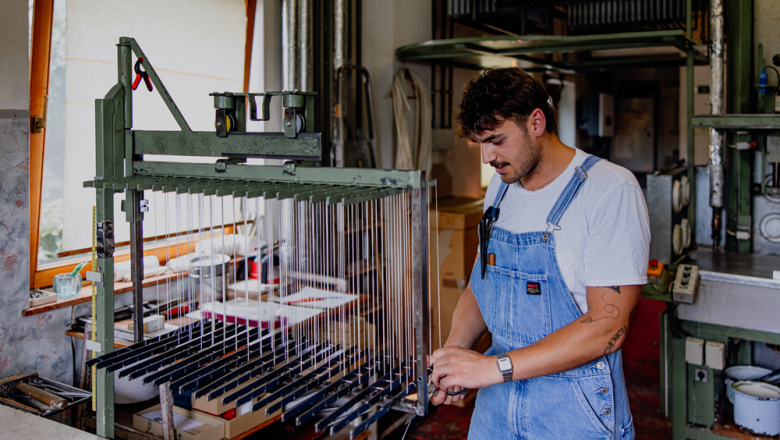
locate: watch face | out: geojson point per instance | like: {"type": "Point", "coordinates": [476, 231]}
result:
{"type": "Point", "coordinates": [504, 364]}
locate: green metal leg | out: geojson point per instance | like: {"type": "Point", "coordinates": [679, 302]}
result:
{"type": "Point", "coordinates": [105, 321]}
{"type": "Point", "coordinates": [679, 397]}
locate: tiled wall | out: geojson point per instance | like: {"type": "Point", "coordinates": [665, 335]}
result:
{"type": "Point", "coordinates": [35, 343]}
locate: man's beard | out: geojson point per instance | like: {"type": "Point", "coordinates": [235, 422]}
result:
{"type": "Point", "coordinates": [526, 166]}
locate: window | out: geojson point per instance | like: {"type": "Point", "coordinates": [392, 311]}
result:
{"type": "Point", "coordinates": [195, 54]}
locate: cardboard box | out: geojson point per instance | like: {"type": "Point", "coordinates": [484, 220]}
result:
{"type": "Point", "coordinates": [456, 236]}
{"type": "Point", "coordinates": [215, 406]}
{"type": "Point", "coordinates": [442, 310]}
{"type": "Point", "coordinates": [151, 323]}
{"type": "Point", "coordinates": [213, 428]}
{"type": "Point", "coordinates": [248, 420]}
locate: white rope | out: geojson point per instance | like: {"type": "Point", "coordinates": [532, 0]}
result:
{"type": "Point", "coordinates": [414, 153]}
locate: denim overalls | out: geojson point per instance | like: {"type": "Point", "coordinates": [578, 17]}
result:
{"type": "Point", "coordinates": [523, 298]}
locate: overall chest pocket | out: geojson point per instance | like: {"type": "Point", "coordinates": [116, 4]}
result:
{"type": "Point", "coordinates": [520, 304]}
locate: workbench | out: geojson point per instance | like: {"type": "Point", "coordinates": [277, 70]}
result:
{"type": "Point", "coordinates": [20, 425]}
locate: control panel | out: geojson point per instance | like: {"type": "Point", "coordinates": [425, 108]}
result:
{"type": "Point", "coordinates": [686, 284]}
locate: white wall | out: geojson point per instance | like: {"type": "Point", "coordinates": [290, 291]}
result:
{"type": "Point", "coordinates": [388, 25]}
{"type": "Point", "coordinates": [196, 47]}
{"type": "Point", "coordinates": [14, 47]}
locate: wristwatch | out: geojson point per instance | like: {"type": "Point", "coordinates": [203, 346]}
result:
{"type": "Point", "coordinates": [505, 367]}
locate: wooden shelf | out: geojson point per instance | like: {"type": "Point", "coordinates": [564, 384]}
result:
{"type": "Point", "coordinates": [86, 293]}
{"type": "Point", "coordinates": [118, 343]}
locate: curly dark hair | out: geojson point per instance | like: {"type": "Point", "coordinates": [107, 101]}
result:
{"type": "Point", "coordinates": [500, 94]}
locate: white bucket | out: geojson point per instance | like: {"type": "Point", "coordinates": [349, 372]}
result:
{"type": "Point", "coordinates": [757, 407]}
{"type": "Point", "coordinates": [742, 372]}
{"type": "Point", "coordinates": [127, 391]}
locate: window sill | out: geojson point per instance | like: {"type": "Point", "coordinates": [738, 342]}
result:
{"type": "Point", "coordinates": [86, 294]}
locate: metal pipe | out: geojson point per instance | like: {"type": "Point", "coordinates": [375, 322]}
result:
{"type": "Point", "coordinates": [715, 164]}
{"type": "Point", "coordinates": [338, 34]}
{"type": "Point", "coordinates": [304, 40]}
{"type": "Point", "coordinates": [289, 44]}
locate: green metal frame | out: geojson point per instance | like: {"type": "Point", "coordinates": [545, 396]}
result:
{"type": "Point", "coordinates": [504, 51]}
{"type": "Point", "coordinates": [120, 167]}
{"type": "Point", "coordinates": [739, 91]}
{"type": "Point", "coordinates": [734, 122]}
{"type": "Point", "coordinates": [691, 400]}
{"type": "Point", "coordinates": [484, 52]}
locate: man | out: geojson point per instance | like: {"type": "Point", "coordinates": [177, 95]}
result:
{"type": "Point", "coordinates": [565, 263]}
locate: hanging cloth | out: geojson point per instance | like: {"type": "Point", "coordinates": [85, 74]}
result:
{"type": "Point", "coordinates": [412, 153]}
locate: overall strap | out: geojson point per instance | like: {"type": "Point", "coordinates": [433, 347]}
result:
{"type": "Point", "coordinates": [571, 190]}
{"type": "Point", "coordinates": [501, 193]}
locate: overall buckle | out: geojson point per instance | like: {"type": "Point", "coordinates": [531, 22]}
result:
{"type": "Point", "coordinates": [581, 173]}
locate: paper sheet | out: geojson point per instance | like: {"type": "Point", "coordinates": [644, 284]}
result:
{"type": "Point", "coordinates": [250, 286]}
{"type": "Point", "coordinates": [330, 300]}
{"type": "Point", "coordinates": [252, 310]}
{"type": "Point", "coordinates": [180, 423]}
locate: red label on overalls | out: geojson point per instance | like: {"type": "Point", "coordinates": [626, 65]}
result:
{"type": "Point", "coordinates": [533, 288]}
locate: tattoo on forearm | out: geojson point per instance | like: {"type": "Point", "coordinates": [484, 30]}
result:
{"type": "Point", "coordinates": [612, 311]}
{"type": "Point", "coordinates": [615, 288]}
{"type": "Point", "coordinates": [615, 338]}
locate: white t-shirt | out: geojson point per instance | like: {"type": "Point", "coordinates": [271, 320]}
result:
{"type": "Point", "coordinates": [604, 238]}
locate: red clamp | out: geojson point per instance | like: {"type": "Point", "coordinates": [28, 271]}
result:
{"type": "Point", "coordinates": [141, 74]}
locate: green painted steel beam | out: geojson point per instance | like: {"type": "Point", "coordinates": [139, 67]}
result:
{"type": "Point", "coordinates": [322, 190]}
{"type": "Point", "coordinates": [712, 332]}
{"type": "Point", "coordinates": [375, 195]}
{"type": "Point", "coordinates": [307, 146]}
{"type": "Point", "coordinates": [147, 65]}
{"type": "Point", "coordinates": [738, 121]}
{"type": "Point", "coordinates": [286, 173]}
{"type": "Point", "coordinates": [739, 91]}
{"type": "Point", "coordinates": [484, 52]}
{"type": "Point", "coordinates": [546, 43]}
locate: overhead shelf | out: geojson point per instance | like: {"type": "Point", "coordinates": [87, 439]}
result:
{"type": "Point", "coordinates": [506, 51]}
{"type": "Point", "coordinates": [738, 121]}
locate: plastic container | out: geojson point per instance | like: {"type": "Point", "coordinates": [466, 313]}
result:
{"type": "Point", "coordinates": [206, 276]}
{"type": "Point", "coordinates": [742, 372]}
{"type": "Point", "coordinates": [67, 286]}
{"type": "Point", "coordinates": [757, 407]}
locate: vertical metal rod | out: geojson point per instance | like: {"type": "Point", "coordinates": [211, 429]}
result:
{"type": "Point", "coordinates": [420, 290]}
{"type": "Point", "coordinates": [105, 316]}
{"type": "Point", "coordinates": [715, 164]}
{"type": "Point", "coordinates": [137, 263]}
{"type": "Point", "coordinates": [126, 79]}
{"type": "Point", "coordinates": [304, 40]}
{"type": "Point", "coordinates": [690, 143]}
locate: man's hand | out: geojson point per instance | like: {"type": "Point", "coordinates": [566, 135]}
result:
{"type": "Point", "coordinates": [455, 368]}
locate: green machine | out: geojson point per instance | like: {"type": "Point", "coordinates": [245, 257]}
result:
{"type": "Point", "coordinates": [122, 166]}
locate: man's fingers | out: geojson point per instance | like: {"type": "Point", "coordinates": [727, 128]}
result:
{"type": "Point", "coordinates": [441, 352]}
{"type": "Point", "coordinates": [438, 373]}
{"type": "Point", "coordinates": [448, 382]}
{"type": "Point", "coordinates": [436, 399]}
